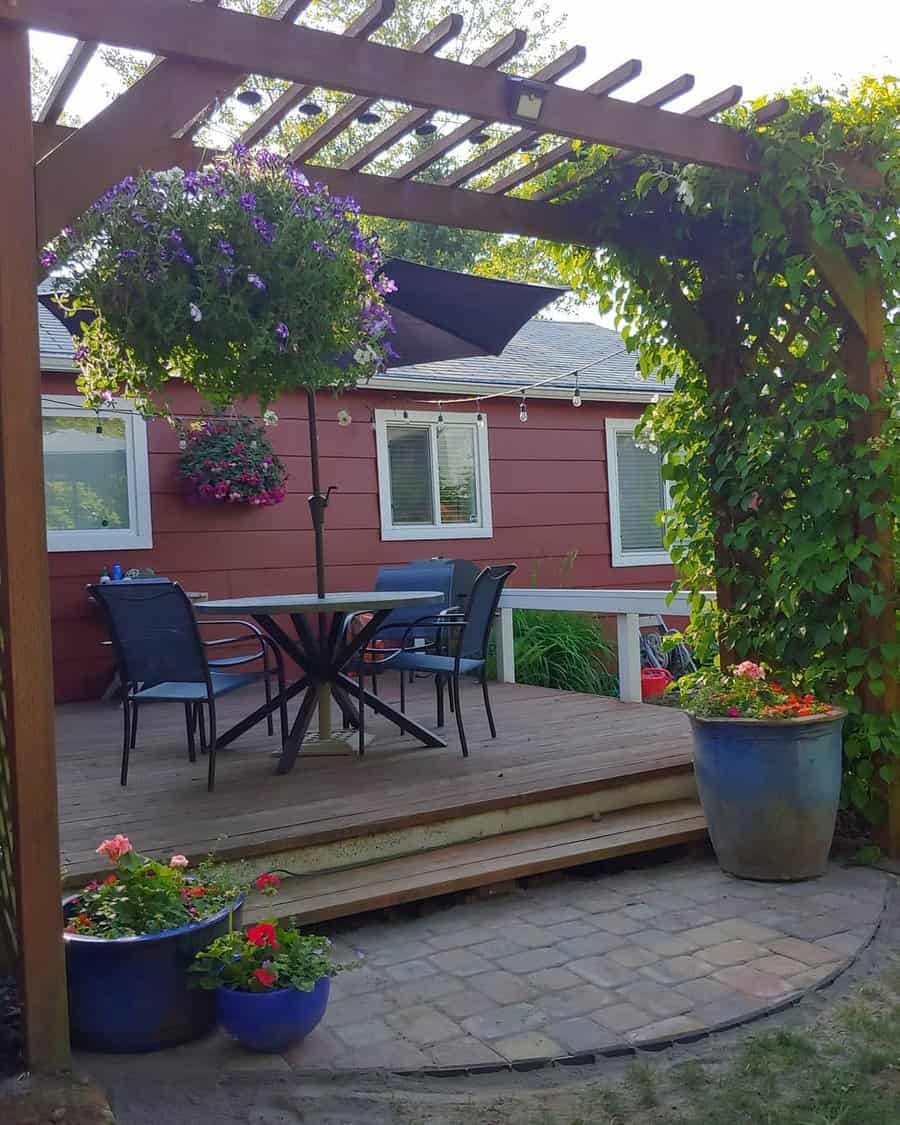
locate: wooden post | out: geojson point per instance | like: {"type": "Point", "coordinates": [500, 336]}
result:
{"type": "Point", "coordinates": [24, 590]}
{"type": "Point", "coordinates": [866, 364]}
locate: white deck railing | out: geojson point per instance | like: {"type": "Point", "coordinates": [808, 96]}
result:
{"type": "Point", "coordinates": [627, 606]}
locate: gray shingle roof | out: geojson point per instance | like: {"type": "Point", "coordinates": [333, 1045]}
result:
{"type": "Point", "coordinates": [541, 350]}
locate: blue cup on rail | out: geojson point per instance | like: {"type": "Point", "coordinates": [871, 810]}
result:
{"type": "Point", "coordinates": [116, 573]}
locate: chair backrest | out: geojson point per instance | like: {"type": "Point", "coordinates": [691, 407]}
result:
{"type": "Point", "coordinates": [410, 576]}
{"type": "Point", "coordinates": [480, 610]}
{"type": "Point", "coordinates": [154, 632]}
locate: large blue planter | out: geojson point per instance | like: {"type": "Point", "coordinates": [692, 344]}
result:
{"type": "Point", "coordinates": [272, 1021]}
{"type": "Point", "coordinates": [770, 792]}
{"type": "Point", "coordinates": [132, 993]}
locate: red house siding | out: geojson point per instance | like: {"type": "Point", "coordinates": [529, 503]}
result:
{"type": "Point", "coordinates": [549, 497]}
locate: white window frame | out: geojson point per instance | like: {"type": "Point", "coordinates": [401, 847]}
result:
{"type": "Point", "coordinates": [139, 535]}
{"type": "Point", "coordinates": [484, 528]}
{"type": "Point", "coordinates": [620, 557]}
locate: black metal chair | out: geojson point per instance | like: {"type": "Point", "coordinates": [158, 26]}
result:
{"type": "Point", "coordinates": [469, 634]}
{"type": "Point", "coordinates": [161, 658]}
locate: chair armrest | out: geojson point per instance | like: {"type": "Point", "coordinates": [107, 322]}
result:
{"type": "Point", "coordinates": [254, 633]}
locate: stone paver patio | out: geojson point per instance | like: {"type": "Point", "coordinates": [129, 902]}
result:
{"type": "Point", "coordinates": [579, 964]}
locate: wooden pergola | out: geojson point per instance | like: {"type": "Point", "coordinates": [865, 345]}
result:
{"type": "Point", "coordinates": [203, 54]}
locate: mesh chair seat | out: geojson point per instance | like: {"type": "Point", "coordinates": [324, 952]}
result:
{"type": "Point", "coordinates": [426, 662]}
{"type": "Point", "coordinates": [222, 684]}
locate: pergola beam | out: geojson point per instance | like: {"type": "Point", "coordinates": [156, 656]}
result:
{"type": "Point", "coordinates": [495, 56]}
{"type": "Point", "coordinates": [557, 155]}
{"type": "Point", "coordinates": [553, 71]}
{"type": "Point", "coordinates": [66, 81]}
{"type": "Point", "coordinates": [249, 44]}
{"type": "Point", "coordinates": [431, 42]}
{"type": "Point", "coordinates": [365, 24]}
{"type": "Point", "coordinates": [408, 200]}
{"type": "Point", "coordinates": [287, 10]}
{"type": "Point", "coordinates": [605, 85]}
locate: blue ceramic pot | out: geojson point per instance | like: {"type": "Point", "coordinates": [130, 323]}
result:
{"type": "Point", "coordinates": [132, 993]}
{"type": "Point", "coordinates": [272, 1021]}
{"type": "Point", "coordinates": [770, 792]}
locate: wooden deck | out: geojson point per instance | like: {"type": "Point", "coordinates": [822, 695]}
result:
{"type": "Point", "coordinates": [553, 748]}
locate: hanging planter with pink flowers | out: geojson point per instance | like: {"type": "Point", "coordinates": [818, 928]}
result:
{"type": "Point", "coordinates": [231, 461]}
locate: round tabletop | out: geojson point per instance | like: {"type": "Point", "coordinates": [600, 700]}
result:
{"type": "Point", "coordinates": [355, 601]}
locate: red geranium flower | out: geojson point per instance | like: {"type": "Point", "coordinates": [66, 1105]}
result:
{"type": "Point", "coordinates": [264, 977]}
{"type": "Point", "coordinates": [195, 892]}
{"type": "Point", "coordinates": [109, 880]}
{"type": "Point", "coordinates": [262, 934]}
{"type": "Point", "coordinates": [267, 880]}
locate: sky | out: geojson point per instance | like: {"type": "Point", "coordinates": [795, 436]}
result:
{"type": "Point", "coordinates": [765, 46]}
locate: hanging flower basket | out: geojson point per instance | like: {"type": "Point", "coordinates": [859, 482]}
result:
{"type": "Point", "coordinates": [241, 279]}
{"type": "Point", "coordinates": [231, 461]}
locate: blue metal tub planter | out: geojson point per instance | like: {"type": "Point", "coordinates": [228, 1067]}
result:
{"type": "Point", "coordinates": [770, 791]}
{"type": "Point", "coordinates": [130, 990]}
{"type": "Point", "coordinates": [271, 984]}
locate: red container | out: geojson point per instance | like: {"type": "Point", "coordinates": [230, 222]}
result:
{"type": "Point", "coordinates": [654, 681]}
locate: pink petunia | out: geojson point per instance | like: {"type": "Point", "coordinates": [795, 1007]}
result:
{"type": "Point", "coordinates": [733, 713]}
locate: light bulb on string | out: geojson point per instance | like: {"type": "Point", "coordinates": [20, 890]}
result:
{"type": "Point", "coordinates": [440, 419]}
{"type": "Point", "coordinates": [523, 409]}
{"type": "Point", "coordinates": [479, 417]}
{"type": "Point", "coordinates": [576, 397]}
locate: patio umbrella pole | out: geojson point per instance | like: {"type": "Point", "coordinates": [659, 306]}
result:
{"type": "Point", "coordinates": [317, 505]}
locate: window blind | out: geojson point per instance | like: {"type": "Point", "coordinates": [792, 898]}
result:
{"type": "Point", "coordinates": [641, 495]}
{"type": "Point", "coordinates": [412, 493]}
{"type": "Point", "coordinates": [456, 472]}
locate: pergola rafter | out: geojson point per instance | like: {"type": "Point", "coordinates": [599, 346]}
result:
{"type": "Point", "coordinates": [204, 52]}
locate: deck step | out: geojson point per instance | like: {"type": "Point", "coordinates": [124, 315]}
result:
{"type": "Point", "coordinates": [497, 859]}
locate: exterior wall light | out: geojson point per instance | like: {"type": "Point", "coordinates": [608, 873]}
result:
{"type": "Point", "coordinates": [525, 98]}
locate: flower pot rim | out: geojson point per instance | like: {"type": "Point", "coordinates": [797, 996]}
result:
{"type": "Point", "coordinates": [793, 721]}
{"type": "Point", "coordinates": [158, 935]}
{"type": "Point", "coordinates": [272, 992]}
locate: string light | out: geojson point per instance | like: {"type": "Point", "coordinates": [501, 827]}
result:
{"type": "Point", "coordinates": [576, 397]}
{"type": "Point", "coordinates": [523, 409]}
{"type": "Point", "coordinates": [479, 417]}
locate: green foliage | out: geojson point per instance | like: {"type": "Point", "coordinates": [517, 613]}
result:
{"type": "Point", "coordinates": [567, 651]}
{"type": "Point", "coordinates": [264, 958]}
{"type": "Point", "coordinates": [143, 896]}
{"type": "Point", "coordinates": [243, 280]}
{"type": "Point", "coordinates": [785, 477]}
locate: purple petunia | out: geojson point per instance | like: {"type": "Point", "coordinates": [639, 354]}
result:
{"type": "Point", "coordinates": [267, 159]}
{"type": "Point", "coordinates": [124, 255]}
{"type": "Point", "coordinates": [248, 201]}
{"type": "Point", "coordinates": [191, 183]}
{"type": "Point", "coordinates": [282, 331]}
{"type": "Point", "coordinates": [48, 259]}
{"type": "Point", "coordinates": [80, 353]}
{"type": "Point", "coordinates": [175, 236]}
{"type": "Point", "coordinates": [225, 248]}
{"type": "Point", "coordinates": [183, 256]}
{"type": "Point", "coordinates": [264, 229]}
{"type": "Point", "coordinates": [320, 248]}
{"type": "Point", "coordinates": [256, 281]}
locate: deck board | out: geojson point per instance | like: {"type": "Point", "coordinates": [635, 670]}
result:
{"type": "Point", "coordinates": [551, 744]}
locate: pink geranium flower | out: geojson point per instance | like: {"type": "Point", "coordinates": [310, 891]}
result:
{"type": "Point", "coordinates": [178, 861]}
{"type": "Point", "coordinates": [750, 670]}
{"type": "Point", "coordinates": [733, 713]}
{"type": "Point", "coordinates": [115, 848]}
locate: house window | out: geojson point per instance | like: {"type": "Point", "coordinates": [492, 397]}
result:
{"type": "Point", "coordinates": [637, 493]}
{"type": "Point", "coordinates": [433, 476]}
{"type": "Point", "coordinates": [96, 485]}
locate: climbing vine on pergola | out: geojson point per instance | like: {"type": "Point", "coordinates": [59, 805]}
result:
{"type": "Point", "coordinates": [774, 302]}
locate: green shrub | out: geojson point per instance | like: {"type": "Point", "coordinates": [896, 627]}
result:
{"type": "Point", "coordinates": [561, 650]}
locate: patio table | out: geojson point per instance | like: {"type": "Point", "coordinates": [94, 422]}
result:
{"type": "Point", "coordinates": [322, 655]}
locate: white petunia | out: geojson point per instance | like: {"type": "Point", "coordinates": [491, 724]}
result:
{"type": "Point", "coordinates": [195, 312]}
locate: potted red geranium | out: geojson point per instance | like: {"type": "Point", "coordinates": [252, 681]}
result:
{"type": "Point", "coordinates": [130, 940]}
{"type": "Point", "coordinates": [768, 765]}
{"type": "Point", "coordinates": [271, 983]}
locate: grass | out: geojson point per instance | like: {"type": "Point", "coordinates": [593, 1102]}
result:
{"type": "Point", "coordinates": [568, 651]}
